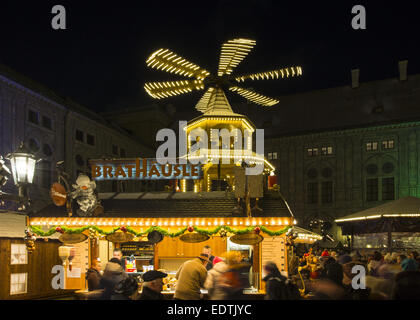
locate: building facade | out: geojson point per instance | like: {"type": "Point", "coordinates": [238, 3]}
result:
{"type": "Point", "coordinates": [57, 129]}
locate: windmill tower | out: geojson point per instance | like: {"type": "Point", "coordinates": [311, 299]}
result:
{"type": "Point", "coordinates": [217, 112]}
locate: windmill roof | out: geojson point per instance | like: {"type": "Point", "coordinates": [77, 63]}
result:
{"type": "Point", "coordinates": [219, 105]}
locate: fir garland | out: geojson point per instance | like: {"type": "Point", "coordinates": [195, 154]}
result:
{"type": "Point", "coordinates": [164, 232]}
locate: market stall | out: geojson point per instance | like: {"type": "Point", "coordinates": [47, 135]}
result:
{"type": "Point", "coordinates": [392, 226]}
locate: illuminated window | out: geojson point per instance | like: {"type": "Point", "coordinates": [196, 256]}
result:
{"type": "Point", "coordinates": [18, 283]}
{"type": "Point", "coordinates": [19, 254]}
{"type": "Point", "coordinates": [388, 144]}
{"type": "Point", "coordinates": [274, 155]}
{"type": "Point", "coordinates": [372, 189]}
{"type": "Point", "coordinates": [312, 152]}
{"type": "Point", "coordinates": [270, 156]}
{"type": "Point", "coordinates": [326, 151]}
{"type": "Point", "coordinates": [371, 146]}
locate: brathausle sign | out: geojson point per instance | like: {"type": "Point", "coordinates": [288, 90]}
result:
{"type": "Point", "coordinates": [142, 169]}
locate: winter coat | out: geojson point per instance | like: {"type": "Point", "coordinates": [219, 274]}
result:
{"type": "Point", "coordinates": [149, 294]}
{"type": "Point", "coordinates": [211, 283]}
{"type": "Point", "coordinates": [191, 276]}
{"type": "Point", "coordinates": [113, 274]}
{"type": "Point", "coordinates": [234, 281]}
{"type": "Point", "coordinates": [277, 288]}
{"type": "Point", "coordinates": [93, 278]}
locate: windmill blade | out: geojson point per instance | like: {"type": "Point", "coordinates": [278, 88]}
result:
{"type": "Point", "coordinates": [233, 52]}
{"type": "Point", "coordinates": [166, 60]}
{"type": "Point", "coordinates": [255, 97]}
{"type": "Point", "coordinates": [274, 74]}
{"type": "Point", "coordinates": [204, 101]}
{"type": "Point", "coordinates": [159, 90]}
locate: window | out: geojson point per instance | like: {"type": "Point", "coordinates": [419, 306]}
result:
{"type": "Point", "coordinates": [33, 117]}
{"type": "Point", "coordinates": [274, 155]}
{"type": "Point", "coordinates": [327, 191]}
{"type": "Point", "coordinates": [312, 152]}
{"type": "Point", "coordinates": [79, 135]}
{"type": "Point", "coordinates": [46, 122]}
{"type": "Point", "coordinates": [371, 146]}
{"type": "Point", "coordinates": [122, 153]}
{"type": "Point", "coordinates": [270, 156]}
{"type": "Point", "coordinates": [388, 189]}
{"type": "Point", "coordinates": [115, 149]}
{"type": "Point", "coordinates": [388, 144]}
{"type": "Point", "coordinates": [90, 140]}
{"type": "Point", "coordinates": [312, 192]}
{"type": "Point", "coordinates": [19, 254]}
{"type": "Point", "coordinates": [372, 189]}
{"type": "Point", "coordinates": [326, 151]}
{"type": "Point", "coordinates": [18, 283]}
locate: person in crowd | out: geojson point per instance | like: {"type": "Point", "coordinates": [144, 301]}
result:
{"type": "Point", "coordinates": [235, 279]}
{"type": "Point", "coordinates": [401, 258]}
{"type": "Point", "coordinates": [278, 287]}
{"type": "Point", "coordinates": [152, 286]}
{"type": "Point", "coordinates": [332, 271]}
{"type": "Point", "coordinates": [409, 264]}
{"type": "Point", "coordinates": [207, 250]}
{"type": "Point", "coordinates": [334, 255]}
{"type": "Point", "coordinates": [117, 254]}
{"type": "Point", "coordinates": [94, 275]}
{"type": "Point", "coordinates": [407, 286]}
{"type": "Point", "coordinates": [375, 262]}
{"type": "Point", "coordinates": [212, 280]}
{"type": "Point", "coordinates": [415, 256]}
{"type": "Point", "coordinates": [191, 276]}
{"type": "Point", "coordinates": [126, 289]}
{"type": "Point", "coordinates": [348, 262]}
{"type": "Point", "coordinates": [113, 274]}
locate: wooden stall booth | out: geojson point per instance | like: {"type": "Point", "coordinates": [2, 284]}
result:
{"type": "Point", "coordinates": [138, 218]}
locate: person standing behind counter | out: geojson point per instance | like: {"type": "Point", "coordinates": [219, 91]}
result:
{"type": "Point", "coordinates": [191, 276]}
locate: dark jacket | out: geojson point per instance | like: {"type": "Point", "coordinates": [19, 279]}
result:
{"type": "Point", "coordinates": [149, 294]}
{"type": "Point", "coordinates": [278, 287]}
{"type": "Point", "coordinates": [93, 278]}
{"type": "Point", "coordinates": [210, 265]}
{"type": "Point", "coordinates": [333, 271]}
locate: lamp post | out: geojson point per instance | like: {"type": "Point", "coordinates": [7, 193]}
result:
{"type": "Point", "coordinates": [23, 168]}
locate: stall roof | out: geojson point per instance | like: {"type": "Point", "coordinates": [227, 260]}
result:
{"type": "Point", "coordinates": [164, 204]}
{"type": "Point", "coordinates": [404, 207]}
{"type": "Point", "coordinates": [400, 215]}
{"type": "Point", "coordinates": [12, 224]}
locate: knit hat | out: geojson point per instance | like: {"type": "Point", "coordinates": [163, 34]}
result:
{"type": "Point", "coordinates": [113, 267]}
{"type": "Point", "coordinates": [325, 253]}
{"type": "Point", "coordinates": [216, 260]}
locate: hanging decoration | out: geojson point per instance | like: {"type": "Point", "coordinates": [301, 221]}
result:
{"type": "Point", "coordinates": [30, 239]}
{"type": "Point", "coordinates": [221, 230]}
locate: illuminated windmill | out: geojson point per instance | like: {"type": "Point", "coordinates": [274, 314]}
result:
{"type": "Point", "coordinates": [233, 52]}
{"type": "Point", "coordinates": [217, 112]}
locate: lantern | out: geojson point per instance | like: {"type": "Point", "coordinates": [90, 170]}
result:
{"type": "Point", "coordinates": [23, 165]}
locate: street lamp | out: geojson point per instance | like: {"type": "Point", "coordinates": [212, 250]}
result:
{"type": "Point", "coordinates": [23, 167]}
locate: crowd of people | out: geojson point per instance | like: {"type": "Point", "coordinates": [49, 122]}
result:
{"type": "Point", "coordinates": [359, 275]}
{"type": "Point", "coordinates": [319, 274]}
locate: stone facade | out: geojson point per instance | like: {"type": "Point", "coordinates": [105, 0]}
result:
{"type": "Point", "coordinates": [58, 129]}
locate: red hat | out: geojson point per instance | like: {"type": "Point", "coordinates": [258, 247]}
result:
{"type": "Point", "coordinates": [216, 260]}
{"type": "Point", "coordinates": [325, 253]}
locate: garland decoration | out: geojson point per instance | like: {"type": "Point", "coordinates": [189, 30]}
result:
{"type": "Point", "coordinates": [222, 229]}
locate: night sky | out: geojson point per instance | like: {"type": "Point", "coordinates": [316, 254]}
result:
{"type": "Point", "coordinates": [99, 61]}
